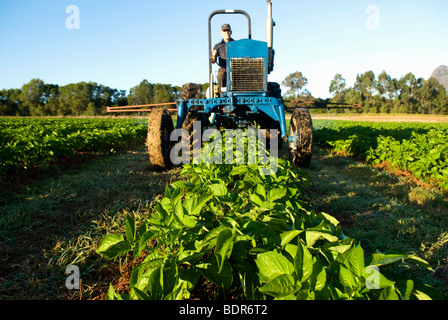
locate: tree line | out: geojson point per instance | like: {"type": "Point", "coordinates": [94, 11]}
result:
{"type": "Point", "coordinates": [37, 98]}
{"type": "Point", "coordinates": [382, 94]}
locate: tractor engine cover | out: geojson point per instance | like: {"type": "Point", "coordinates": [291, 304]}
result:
{"type": "Point", "coordinates": [248, 67]}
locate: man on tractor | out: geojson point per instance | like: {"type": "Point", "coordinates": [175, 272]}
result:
{"type": "Point", "coordinates": [220, 51]}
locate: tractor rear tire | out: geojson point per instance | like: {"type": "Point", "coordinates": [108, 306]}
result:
{"type": "Point", "coordinates": [194, 140]}
{"type": "Point", "coordinates": [191, 91]}
{"type": "Point", "coordinates": [301, 126]}
{"type": "Point", "coordinates": [160, 126]}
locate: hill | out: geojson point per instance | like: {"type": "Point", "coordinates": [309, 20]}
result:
{"type": "Point", "coordinates": [441, 74]}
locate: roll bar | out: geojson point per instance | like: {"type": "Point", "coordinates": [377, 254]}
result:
{"type": "Point", "coordinates": [210, 37]}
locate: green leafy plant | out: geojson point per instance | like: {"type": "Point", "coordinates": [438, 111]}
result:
{"type": "Point", "coordinates": [419, 148]}
{"type": "Point", "coordinates": [27, 143]}
{"type": "Point", "coordinates": [425, 155]}
{"type": "Point", "coordinates": [251, 236]}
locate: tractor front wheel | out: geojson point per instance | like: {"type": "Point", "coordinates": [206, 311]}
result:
{"type": "Point", "coordinates": [301, 128]}
{"type": "Point", "coordinates": [160, 126]}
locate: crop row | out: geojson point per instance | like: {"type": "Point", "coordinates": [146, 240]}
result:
{"type": "Point", "coordinates": [27, 143]}
{"type": "Point", "coordinates": [421, 149]}
{"type": "Point", "coordinates": [247, 235]}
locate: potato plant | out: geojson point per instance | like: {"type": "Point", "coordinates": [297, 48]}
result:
{"type": "Point", "coordinates": [425, 155]}
{"type": "Point", "coordinates": [419, 148]}
{"type": "Point", "coordinates": [251, 236]}
{"type": "Point", "coordinates": [28, 143]}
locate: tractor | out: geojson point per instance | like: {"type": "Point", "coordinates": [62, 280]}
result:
{"type": "Point", "coordinates": [248, 99]}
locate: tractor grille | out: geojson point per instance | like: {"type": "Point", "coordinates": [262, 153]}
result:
{"type": "Point", "coordinates": [248, 75]}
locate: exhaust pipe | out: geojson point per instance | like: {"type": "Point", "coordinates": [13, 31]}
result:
{"type": "Point", "coordinates": [270, 37]}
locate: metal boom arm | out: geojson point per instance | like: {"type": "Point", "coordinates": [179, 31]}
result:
{"type": "Point", "coordinates": [323, 104]}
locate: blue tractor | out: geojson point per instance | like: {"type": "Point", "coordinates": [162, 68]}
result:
{"type": "Point", "coordinates": [248, 99]}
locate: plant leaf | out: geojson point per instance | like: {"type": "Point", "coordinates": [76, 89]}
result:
{"type": "Point", "coordinates": [275, 194]}
{"type": "Point", "coordinates": [329, 218]}
{"type": "Point", "coordinates": [374, 279]}
{"type": "Point", "coordinates": [144, 238]}
{"type": "Point", "coordinates": [346, 278]}
{"type": "Point", "coordinates": [113, 245]}
{"type": "Point", "coordinates": [303, 262]}
{"type": "Point", "coordinates": [155, 283]}
{"type": "Point", "coordinates": [111, 294]}
{"type": "Point", "coordinates": [130, 229]}
{"type": "Point", "coordinates": [218, 189]}
{"type": "Point", "coordinates": [272, 264]}
{"type": "Point", "coordinates": [261, 192]}
{"type": "Point", "coordinates": [255, 199]}
{"type": "Point", "coordinates": [287, 236]}
{"type": "Point", "coordinates": [405, 288]}
{"type": "Point", "coordinates": [389, 293]}
{"type": "Point", "coordinates": [379, 259]}
{"type": "Point", "coordinates": [355, 260]}
{"type": "Point", "coordinates": [224, 245]}
{"type": "Point", "coordinates": [222, 279]}
{"type": "Point", "coordinates": [281, 286]}
{"type": "Point", "coordinates": [419, 261]}
{"type": "Point", "coordinates": [194, 205]}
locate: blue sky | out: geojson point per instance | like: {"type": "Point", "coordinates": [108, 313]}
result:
{"type": "Point", "coordinates": [120, 43]}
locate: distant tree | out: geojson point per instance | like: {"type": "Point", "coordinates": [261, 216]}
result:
{"type": "Point", "coordinates": [382, 84]}
{"type": "Point", "coordinates": [143, 93]}
{"type": "Point", "coordinates": [163, 93]}
{"type": "Point", "coordinates": [365, 85]}
{"type": "Point", "coordinates": [337, 88]}
{"type": "Point", "coordinates": [428, 95]}
{"type": "Point", "coordinates": [9, 102]}
{"type": "Point", "coordinates": [37, 98]}
{"type": "Point", "coordinates": [32, 97]}
{"type": "Point", "coordinates": [353, 96]}
{"type": "Point", "coordinates": [306, 94]}
{"type": "Point", "coordinates": [442, 100]}
{"type": "Point", "coordinates": [91, 109]}
{"type": "Point", "coordinates": [120, 98]}
{"type": "Point", "coordinates": [407, 87]}
{"type": "Point", "coordinates": [104, 96]}
{"type": "Point", "coordinates": [75, 97]}
{"type": "Point", "coordinates": [295, 82]}
{"type": "Point", "coordinates": [51, 99]}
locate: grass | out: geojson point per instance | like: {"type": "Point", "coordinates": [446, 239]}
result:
{"type": "Point", "coordinates": [382, 210]}
{"type": "Point", "coordinates": [50, 223]}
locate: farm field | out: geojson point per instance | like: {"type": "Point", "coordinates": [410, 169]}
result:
{"type": "Point", "coordinates": [50, 223]}
{"type": "Point", "coordinates": [418, 148]}
{"type": "Point", "coordinates": [384, 117]}
{"type": "Point", "coordinates": [30, 143]}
